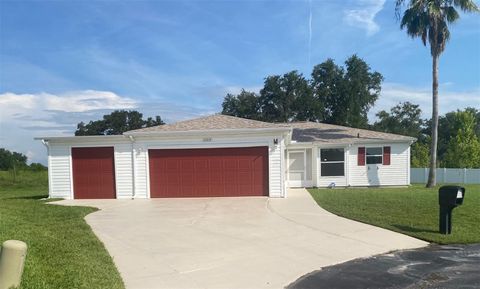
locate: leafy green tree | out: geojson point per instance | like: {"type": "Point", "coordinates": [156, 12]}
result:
{"type": "Point", "coordinates": [429, 20]}
{"type": "Point", "coordinates": [37, 167]}
{"type": "Point", "coordinates": [333, 94]}
{"type": "Point", "coordinates": [328, 90]}
{"type": "Point", "coordinates": [404, 118]}
{"type": "Point", "coordinates": [463, 150]}
{"type": "Point", "coordinates": [362, 89]}
{"type": "Point", "coordinates": [286, 98]}
{"type": "Point", "coordinates": [11, 160]}
{"type": "Point", "coordinates": [246, 105]}
{"type": "Point", "coordinates": [347, 94]}
{"type": "Point", "coordinates": [420, 154]}
{"type": "Point", "coordinates": [117, 122]}
{"type": "Point", "coordinates": [448, 127]}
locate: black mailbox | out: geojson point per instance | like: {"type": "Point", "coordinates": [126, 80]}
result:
{"type": "Point", "coordinates": [448, 198]}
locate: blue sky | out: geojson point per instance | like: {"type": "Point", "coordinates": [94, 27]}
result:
{"type": "Point", "coordinates": [62, 62]}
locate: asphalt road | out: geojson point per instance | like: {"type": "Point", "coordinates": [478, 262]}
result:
{"type": "Point", "coordinates": [442, 267]}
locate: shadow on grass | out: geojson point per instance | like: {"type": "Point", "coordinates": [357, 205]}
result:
{"type": "Point", "coordinates": [413, 229]}
{"type": "Point", "coordinates": [36, 197]}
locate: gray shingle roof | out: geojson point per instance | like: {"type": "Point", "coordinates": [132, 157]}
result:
{"type": "Point", "coordinates": [302, 131]}
{"type": "Point", "coordinates": [329, 133]}
{"type": "Point", "coordinates": [211, 122]}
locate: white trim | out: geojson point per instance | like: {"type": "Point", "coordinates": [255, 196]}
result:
{"type": "Point", "coordinates": [147, 170]}
{"type": "Point", "coordinates": [380, 155]}
{"type": "Point", "coordinates": [301, 183]}
{"type": "Point", "coordinates": [72, 196]}
{"type": "Point", "coordinates": [408, 163]}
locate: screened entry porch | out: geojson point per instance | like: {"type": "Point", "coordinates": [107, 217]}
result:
{"type": "Point", "coordinates": [316, 167]}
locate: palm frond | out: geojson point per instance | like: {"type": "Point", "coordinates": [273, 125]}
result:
{"type": "Point", "coordinates": [466, 5]}
{"type": "Point", "coordinates": [451, 15]}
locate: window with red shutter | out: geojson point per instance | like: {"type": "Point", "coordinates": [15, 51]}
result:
{"type": "Point", "coordinates": [361, 156]}
{"type": "Point", "coordinates": [386, 156]}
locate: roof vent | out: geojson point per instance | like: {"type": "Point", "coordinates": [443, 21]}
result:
{"type": "Point", "coordinates": [358, 135]}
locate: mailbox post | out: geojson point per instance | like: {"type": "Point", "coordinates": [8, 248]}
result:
{"type": "Point", "coordinates": [449, 197]}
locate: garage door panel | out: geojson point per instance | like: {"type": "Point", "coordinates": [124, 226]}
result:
{"type": "Point", "coordinates": [209, 172]}
{"type": "Point", "coordinates": [93, 172]}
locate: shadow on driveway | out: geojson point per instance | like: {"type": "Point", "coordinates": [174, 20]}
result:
{"type": "Point", "coordinates": [432, 267]}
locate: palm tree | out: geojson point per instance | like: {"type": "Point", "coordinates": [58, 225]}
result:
{"type": "Point", "coordinates": [429, 20]}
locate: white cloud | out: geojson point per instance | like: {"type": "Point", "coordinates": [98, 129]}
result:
{"type": "Point", "coordinates": [449, 100]}
{"type": "Point", "coordinates": [25, 116]}
{"type": "Point", "coordinates": [363, 16]}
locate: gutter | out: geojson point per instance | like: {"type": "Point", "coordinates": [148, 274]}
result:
{"type": "Point", "coordinates": [132, 139]}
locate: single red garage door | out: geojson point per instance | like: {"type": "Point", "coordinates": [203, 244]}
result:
{"type": "Point", "coordinates": [93, 173]}
{"type": "Point", "coordinates": [222, 172]}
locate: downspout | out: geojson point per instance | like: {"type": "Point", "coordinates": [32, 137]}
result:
{"type": "Point", "coordinates": [132, 139]}
{"type": "Point", "coordinates": [49, 169]}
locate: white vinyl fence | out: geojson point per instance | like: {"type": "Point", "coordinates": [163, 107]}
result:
{"type": "Point", "coordinates": [444, 175]}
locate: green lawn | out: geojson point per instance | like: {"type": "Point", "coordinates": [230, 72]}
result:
{"type": "Point", "coordinates": [62, 252]}
{"type": "Point", "coordinates": [412, 211]}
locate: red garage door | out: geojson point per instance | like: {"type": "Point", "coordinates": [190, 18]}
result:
{"type": "Point", "coordinates": [93, 173]}
{"type": "Point", "coordinates": [224, 172]}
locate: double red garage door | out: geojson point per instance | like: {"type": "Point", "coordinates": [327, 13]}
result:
{"type": "Point", "coordinates": [177, 172]}
{"type": "Point", "coordinates": [222, 172]}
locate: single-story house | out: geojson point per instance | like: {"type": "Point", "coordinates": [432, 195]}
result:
{"type": "Point", "coordinates": [221, 155]}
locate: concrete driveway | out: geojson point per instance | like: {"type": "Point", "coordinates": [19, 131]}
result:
{"type": "Point", "coordinates": [249, 242]}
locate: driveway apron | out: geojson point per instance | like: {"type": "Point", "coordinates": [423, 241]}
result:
{"type": "Point", "coordinates": [246, 242]}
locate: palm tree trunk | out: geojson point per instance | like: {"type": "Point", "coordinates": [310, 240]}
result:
{"type": "Point", "coordinates": [433, 149]}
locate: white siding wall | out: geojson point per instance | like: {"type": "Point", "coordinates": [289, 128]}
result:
{"type": "Point", "coordinates": [141, 171]}
{"type": "Point", "coordinates": [395, 174]}
{"type": "Point", "coordinates": [59, 171]}
{"type": "Point", "coordinates": [315, 166]}
{"type": "Point", "coordinates": [275, 170]}
{"type": "Point", "coordinates": [123, 170]}
{"type": "Point", "coordinates": [61, 176]}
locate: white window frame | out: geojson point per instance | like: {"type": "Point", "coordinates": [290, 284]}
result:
{"type": "Point", "coordinates": [332, 162]}
{"type": "Point", "coordinates": [380, 155]}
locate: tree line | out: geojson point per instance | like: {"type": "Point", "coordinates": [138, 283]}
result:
{"type": "Point", "coordinates": [334, 94]}
{"type": "Point", "coordinates": [117, 122]}
{"type": "Point", "coordinates": [458, 135]}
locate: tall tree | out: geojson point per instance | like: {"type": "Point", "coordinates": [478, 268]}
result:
{"type": "Point", "coordinates": [333, 94]}
{"type": "Point", "coordinates": [328, 89]}
{"type": "Point", "coordinates": [429, 20]}
{"type": "Point", "coordinates": [347, 94]}
{"type": "Point", "coordinates": [463, 150]}
{"type": "Point", "coordinates": [404, 118]}
{"type": "Point", "coordinates": [287, 97]}
{"type": "Point", "coordinates": [362, 89]}
{"type": "Point", "coordinates": [246, 105]}
{"type": "Point", "coordinates": [117, 122]}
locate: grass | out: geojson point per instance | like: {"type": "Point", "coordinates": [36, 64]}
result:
{"type": "Point", "coordinates": [62, 251]}
{"type": "Point", "coordinates": [412, 211]}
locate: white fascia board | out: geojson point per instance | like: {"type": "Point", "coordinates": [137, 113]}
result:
{"type": "Point", "coordinates": [384, 141]}
{"type": "Point", "coordinates": [84, 139]}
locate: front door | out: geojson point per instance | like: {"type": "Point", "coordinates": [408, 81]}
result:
{"type": "Point", "coordinates": [296, 175]}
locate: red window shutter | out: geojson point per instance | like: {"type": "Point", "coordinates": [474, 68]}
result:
{"type": "Point", "coordinates": [386, 156]}
{"type": "Point", "coordinates": [361, 156]}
